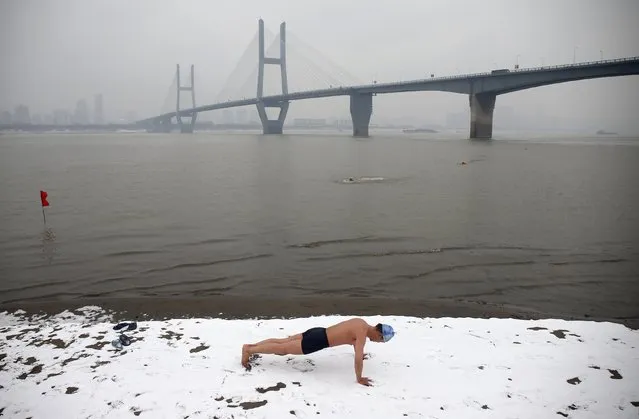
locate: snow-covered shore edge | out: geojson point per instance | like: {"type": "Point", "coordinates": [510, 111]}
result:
{"type": "Point", "coordinates": [64, 366]}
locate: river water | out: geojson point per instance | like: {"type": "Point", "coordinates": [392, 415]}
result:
{"type": "Point", "coordinates": [244, 223]}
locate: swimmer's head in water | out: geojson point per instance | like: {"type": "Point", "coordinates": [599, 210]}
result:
{"type": "Point", "coordinates": [385, 331]}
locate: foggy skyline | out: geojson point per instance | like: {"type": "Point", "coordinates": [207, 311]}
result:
{"type": "Point", "coordinates": [55, 53]}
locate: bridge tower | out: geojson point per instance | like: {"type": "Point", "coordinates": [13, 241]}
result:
{"type": "Point", "coordinates": [274, 126]}
{"type": "Point", "coordinates": [186, 127]}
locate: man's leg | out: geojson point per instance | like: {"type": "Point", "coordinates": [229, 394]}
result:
{"type": "Point", "coordinates": [291, 347]}
{"type": "Point", "coordinates": [278, 340]}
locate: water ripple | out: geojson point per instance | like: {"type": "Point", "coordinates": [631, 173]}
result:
{"type": "Point", "coordinates": [467, 266]}
{"type": "Point", "coordinates": [588, 262]}
{"type": "Point", "coordinates": [131, 253]}
{"type": "Point", "coordinates": [364, 239]}
{"type": "Point", "coordinates": [209, 263]}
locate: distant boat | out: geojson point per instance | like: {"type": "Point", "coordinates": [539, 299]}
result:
{"type": "Point", "coordinates": [604, 132]}
{"type": "Point", "coordinates": [416, 130]}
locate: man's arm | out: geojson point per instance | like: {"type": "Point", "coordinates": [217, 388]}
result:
{"type": "Point", "coordinates": [359, 360]}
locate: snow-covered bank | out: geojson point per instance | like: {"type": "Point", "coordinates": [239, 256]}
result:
{"type": "Point", "coordinates": [64, 366]}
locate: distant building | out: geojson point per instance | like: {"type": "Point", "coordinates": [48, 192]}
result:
{"type": "Point", "coordinates": [6, 118]}
{"type": "Point", "coordinates": [81, 114]}
{"type": "Point", "coordinates": [227, 117]}
{"type": "Point", "coordinates": [61, 117]}
{"type": "Point", "coordinates": [36, 119]}
{"type": "Point", "coordinates": [98, 110]}
{"type": "Point", "coordinates": [342, 123]}
{"type": "Point", "coordinates": [309, 122]}
{"type": "Point", "coordinates": [21, 115]}
{"type": "Point", "coordinates": [241, 116]}
{"type": "Point", "coordinates": [131, 116]}
{"type": "Point", "coordinates": [47, 119]}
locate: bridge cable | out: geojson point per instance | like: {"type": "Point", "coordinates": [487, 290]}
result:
{"type": "Point", "coordinates": [342, 74]}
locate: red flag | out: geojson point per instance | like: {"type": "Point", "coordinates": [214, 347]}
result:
{"type": "Point", "coordinates": [43, 198]}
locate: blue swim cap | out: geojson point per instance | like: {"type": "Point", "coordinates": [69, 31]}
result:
{"type": "Point", "coordinates": [387, 332]}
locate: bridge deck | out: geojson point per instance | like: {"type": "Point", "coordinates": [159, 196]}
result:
{"type": "Point", "coordinates": [498, 82]}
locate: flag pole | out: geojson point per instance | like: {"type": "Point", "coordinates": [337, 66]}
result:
{"type": "Point", "coordinates": [44, 217]}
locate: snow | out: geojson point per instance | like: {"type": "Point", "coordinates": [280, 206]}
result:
{"type": "Point", "coordinates": [64, 366]}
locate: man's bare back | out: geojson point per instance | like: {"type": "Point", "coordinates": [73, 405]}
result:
{"type": "Point", "coordinates": [346, 332]}
{"type": "Point", "coordinates": [349, 332]}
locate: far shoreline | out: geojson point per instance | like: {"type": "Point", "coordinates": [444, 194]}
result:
{"type": "Point", "coordinates": [238, 307]}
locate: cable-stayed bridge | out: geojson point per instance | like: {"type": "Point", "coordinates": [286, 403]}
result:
{"type": "Point", "coordinates": [252, 84]}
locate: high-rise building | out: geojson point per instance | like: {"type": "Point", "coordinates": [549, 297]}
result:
{"type": "Point", "coordinates": [21, 115]}
{"type": "Point", "coordinates": [98, 111]}
{"type": "Point", "coordinates": [36, 119]}
{"type": "Point", "coordinates": [81, 115]}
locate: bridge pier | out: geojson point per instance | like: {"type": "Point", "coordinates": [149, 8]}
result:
{"type": "Point", "coordinates": [482, 106]}
{"type": "Point", "coordinates": [272, 126]}
{"type": "Point", "coordinates": [361, 111]}
{"type": "Point", "coordinates": [186, 129]}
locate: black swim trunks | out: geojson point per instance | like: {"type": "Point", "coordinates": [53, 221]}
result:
{"type": "Point", "coordinates": [313, 340]}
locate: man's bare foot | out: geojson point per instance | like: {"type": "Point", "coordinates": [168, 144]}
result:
{"type": "Point", "coordinates": [245, 357]}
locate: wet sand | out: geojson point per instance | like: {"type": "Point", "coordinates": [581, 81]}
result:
{"type": "Point", "coordinates": [236, 307]}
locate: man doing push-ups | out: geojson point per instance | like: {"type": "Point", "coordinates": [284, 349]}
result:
{"type": "Point", "coordinates": [349, 332]}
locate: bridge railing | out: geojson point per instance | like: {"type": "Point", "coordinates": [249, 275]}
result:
{"type": "Point", "coordinates": [519, 70]}
{"type": "Point", "coordinates": [466, 76]}
{"type": "Point", "coordinates": [582, 64]}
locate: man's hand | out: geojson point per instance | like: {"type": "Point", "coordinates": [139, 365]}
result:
{"type": "Point", "coordinates": [365, 381]}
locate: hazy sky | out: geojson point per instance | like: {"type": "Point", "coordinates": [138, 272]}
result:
{"type": "Point", "coordinates": [57, 51]}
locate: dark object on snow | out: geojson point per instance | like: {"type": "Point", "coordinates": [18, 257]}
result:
{"type": "Point", "coordinates": [125, 326]}
{"type": "Point", "coordinates": [126, 341]}
{"type": "Point", "coordinates": [122, 340]}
